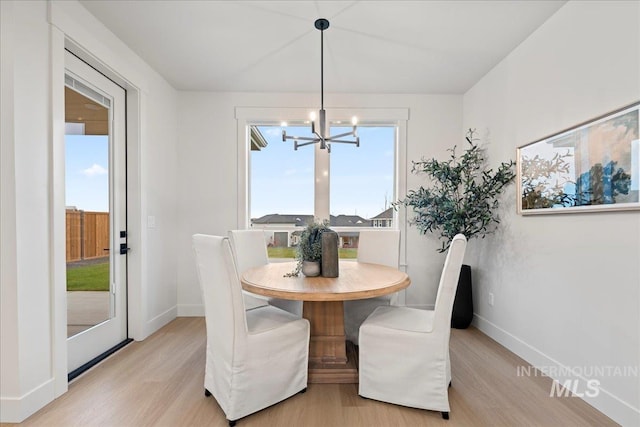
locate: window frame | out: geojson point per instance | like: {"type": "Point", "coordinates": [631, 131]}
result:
{"type": "Point", "coordinates": [274, 116]}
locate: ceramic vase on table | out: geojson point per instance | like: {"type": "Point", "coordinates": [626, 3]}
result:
{"type": "Point", "coordinates": [311, 268]}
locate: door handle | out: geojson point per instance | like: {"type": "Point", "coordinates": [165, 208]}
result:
{"type": "Point", "coordinates": [123, 249]}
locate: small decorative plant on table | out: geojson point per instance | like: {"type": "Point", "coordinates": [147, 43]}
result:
{"type": "Point", "coordinates": [309, 250]}
{"type": "Point", "coordinates": [462, 198]}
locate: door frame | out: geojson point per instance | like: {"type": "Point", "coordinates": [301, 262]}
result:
{"type": "Point", "coordinates": [59, 43]}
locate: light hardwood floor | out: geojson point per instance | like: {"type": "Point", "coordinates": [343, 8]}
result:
{"type": "Point", "coordinates": [159, 382]}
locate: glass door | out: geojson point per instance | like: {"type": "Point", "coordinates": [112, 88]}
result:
{"type": "Point", "coordinates": [95, 198]}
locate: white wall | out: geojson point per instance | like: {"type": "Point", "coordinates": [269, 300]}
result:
{"type": "Point", "coordinates": [208, 184]}
{"type": "Point", "coordinates": [26, 314]}
{"type": "Point", "coordinates": [566, 287]}
{"type": "Point", "coordinates": [32, 42]}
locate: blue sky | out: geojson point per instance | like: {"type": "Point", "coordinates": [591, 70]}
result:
{"type": "Point", "coordinates": [87, 172]}
{"type": "Point", "coordinates": [361, 177]}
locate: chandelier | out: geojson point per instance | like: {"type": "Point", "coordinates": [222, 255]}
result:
{"type": "Point", "coordinates": [320, 131]}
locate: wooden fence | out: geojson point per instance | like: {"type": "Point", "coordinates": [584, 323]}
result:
{"type": "Point", "coordinates": [87, 235]}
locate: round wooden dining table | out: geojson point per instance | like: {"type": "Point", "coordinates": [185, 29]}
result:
{"type": "Point", "coordinates": [331, 358]}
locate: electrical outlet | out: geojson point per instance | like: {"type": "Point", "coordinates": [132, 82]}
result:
{"type": "Point", "coordinates": [491, 299]}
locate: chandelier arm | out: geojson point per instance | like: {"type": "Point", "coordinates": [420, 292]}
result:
{"type": "Point", "coordinates": [342, 141]}
{"type": "Point", "coordinates": [303, 138]}
{"type": "Point", "coordinates": [341, 135]}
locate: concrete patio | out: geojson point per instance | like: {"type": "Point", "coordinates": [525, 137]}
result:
{"type": "Point", "coordinates": [86, 309]}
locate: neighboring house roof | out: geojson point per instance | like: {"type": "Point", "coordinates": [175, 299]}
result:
{"type": "Point", "coordinates": [303, 220]}
{"type": "Point", "coordinates": [349, 221]}
{"type": "Point", "coordinates": [257, 139]}
{"type": "Point", "coordinates": [388, 214]}
{"type": "Point", "coordinates": [298, 220]}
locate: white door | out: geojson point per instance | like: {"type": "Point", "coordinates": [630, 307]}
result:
{"type": "Point", "coordinates": [95, 198]}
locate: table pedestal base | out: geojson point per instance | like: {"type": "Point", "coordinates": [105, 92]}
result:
{"type": "Point", "coordinates": [336, 373]}
{"type": "Point", "coordinates": [331, 359]}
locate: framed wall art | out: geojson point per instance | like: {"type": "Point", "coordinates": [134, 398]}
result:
{"type": "Point", "coordinates": [594, 166]}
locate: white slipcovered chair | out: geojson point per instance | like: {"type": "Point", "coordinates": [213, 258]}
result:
{"type": "Point", "coordinates": [376, 247]}
{"type": "Point", "coordinates": [404, 352]}
{"type": "Point", "coordinates": [250, 250]}
{"type": "Point", "coordinates": [255, 358]}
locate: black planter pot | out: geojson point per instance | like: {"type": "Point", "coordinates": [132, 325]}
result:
{"type": "Point", "coordinates": [463, 303]}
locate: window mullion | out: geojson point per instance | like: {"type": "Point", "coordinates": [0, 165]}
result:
{"type": "Point", "coordinates": [321, 184]}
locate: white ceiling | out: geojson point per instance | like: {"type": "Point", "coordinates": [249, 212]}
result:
{"type": "Point", "coordinates": [370, 47]}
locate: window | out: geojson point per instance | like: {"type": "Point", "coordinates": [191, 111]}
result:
{"type": "Point", "coordinates": [362, 179]}
{"type": "Point", "coordinates": [281, 179]}
{"type": "Point", "coordinates": [284, 188]}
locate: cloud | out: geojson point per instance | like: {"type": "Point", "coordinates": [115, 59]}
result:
{"type": "Point", "coordinates": [94, 170]}
{"type": "Point", "coordinates": [272, 131]}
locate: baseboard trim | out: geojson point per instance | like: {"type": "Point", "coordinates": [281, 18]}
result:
{"type": "Point", "coordinates": [605, 402]}
{"type": "Point", "coordinates": [160, 320]}
{"type": "Point", "coordinates": [190, 310]}
{"type": "Point", "coordinates": [18, 409]}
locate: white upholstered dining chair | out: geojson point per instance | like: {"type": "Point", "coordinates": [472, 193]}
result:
{"type": "Point", "coordinates": [404, 352]}
{"type": "Point", "coordinates": [255, 358]}
{"type": "Point", "coordinates": [376, 247]}
{"type": "Point", "coordinates": [250, 250]}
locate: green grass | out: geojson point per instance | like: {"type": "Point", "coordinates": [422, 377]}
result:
{"type": "Point", "coordinates": [88, 278]}
{"type": "Point", "coordinates": [282, 252]}
{"type": "Point", "coordinates": [345, 253]}
{"type": "Point", "coordinates": [348, 253]}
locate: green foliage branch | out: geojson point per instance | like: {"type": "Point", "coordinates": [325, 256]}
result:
{"type": "Point", "coordinates": [462, 196]}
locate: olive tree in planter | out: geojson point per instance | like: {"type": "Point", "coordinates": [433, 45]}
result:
{"type": "Point", "coordinates": [460, 197]}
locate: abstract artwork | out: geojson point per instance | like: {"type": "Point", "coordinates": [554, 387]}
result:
{"type": "Point", "coordinates": [593, 166]}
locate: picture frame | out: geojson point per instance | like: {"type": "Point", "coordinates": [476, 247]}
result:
{"type": "Point", "coordinates": [593, 166]}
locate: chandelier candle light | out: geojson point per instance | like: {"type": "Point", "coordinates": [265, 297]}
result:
{"type": "Point", "coordinates": [321, 134]}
